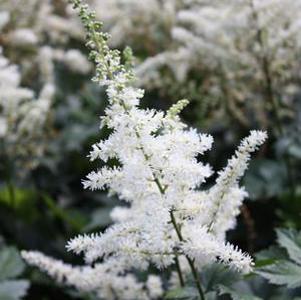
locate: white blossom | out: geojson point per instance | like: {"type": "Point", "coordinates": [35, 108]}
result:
{"type": "Point", "coordinates": [22, 117]}
{"type": "Point", "coordinates": [105, 280]}
{"type": "Point", "coordinates": [76, 61]}
{"type": "Point", "coordinates": [23, 37]}
{"type": "Point", "coordinates": [159, 173]}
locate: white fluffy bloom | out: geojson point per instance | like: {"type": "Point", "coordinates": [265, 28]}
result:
{"type": "Point", "coordinates": [226, 42]}
{"type": "Point", "coordinates": [121, 17]}
{"type": "Point", "coordinates": [120, 214]}
{"type": "Point", "coordinates": [3, 127]}
{"type": "Point", "coordinates": [159, 173]}
{"type": "Point", "coordinates": [23, 37]}
{"type": "Point", "coordinates": [225, 196]}
{"type": "Point", "coordinates": [4, 18]}
{"type": "Point", "coordinates": [22, 117]}
{"type": "Point", "coordinates": [39, 31]}
{"type": "Point", "coordinates": [154, 286]}
{"type": "Point", "coordinates": [105, 280]}
{"type": "Point", "coordinates": [204, 248]}
{"type": "Point", "coordinates": [76, 61]}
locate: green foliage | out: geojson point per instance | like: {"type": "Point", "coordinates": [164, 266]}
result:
{"type": "Point", "coordinates": [291, 241]}
{"type": "Point", "coordinates": [216, 275]}
{"type": "Point", "coordinates": [284, 270]}
{"type": "Point", "coordinates": [22, 201]}
{"type": "Point", "coordinates": [186, 293]}
{"type": "Point", "coordinates": [11, 266]}
{"type": "Point", "coordinates": [283, 273]}
{"type": "Point", "coordinates": [214, 278]}
{"type": "Point", "coordinates": [13, 289]}
{"type": "Point", "coordinates": [265, 179]}
{"type": "Point", "coordinates": [236, 295]}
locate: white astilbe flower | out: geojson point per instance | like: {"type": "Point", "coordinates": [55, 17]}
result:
{"type": "Point", "coordinates": [105, 280]}
{"type": "Point", "coordinates": [219, 210]}
{"type": "Point", "coordinates": [241, 49]}
{"type": "Point", "coordinates": [203, 247]}
{"type": "Point", "coordinates": [154, 286]}
{"type": "Point", "coordinates": [76, 61]}
{"type": "Point", "coordinates": [120, 214]}
{"type": "Point", "coordinates": [121, 17]}
{"type": "Point", "coordinates": [158, 172]}
{"type": "Point", "coordinates": [41, 32]}
{"type": "Point", "coordinates": [23, 118]}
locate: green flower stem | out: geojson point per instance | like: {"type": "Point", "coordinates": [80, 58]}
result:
{"type": "Point", "coordinates": [190, 261]}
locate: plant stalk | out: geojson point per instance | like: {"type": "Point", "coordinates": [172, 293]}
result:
{"type": "Point", "coordinates": [190, 261]}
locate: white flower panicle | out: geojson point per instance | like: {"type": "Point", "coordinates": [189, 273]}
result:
{"type": "Point", "coordinates": [105, 280]}
{"type": "Point", "coordinates": [231, 43]}
{"type": "Point", "coordinates": [22, 117]}
{"type": "Point", "coordinates": [160, 175]}
{"type": "Point", "coordinates": [203, 246]}
{"type": "Point", "coordinates": [226, 196]}
{"type": "Point", "coordinates": [41, 31]}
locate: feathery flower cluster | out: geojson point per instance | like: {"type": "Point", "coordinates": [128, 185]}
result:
{"type": "Point", "coordinates": [22, 117]}
{"type": "Point", "coordinates": [35, 36]}
{"type": "Point", "coordinates": [210, 48]}
{"type": "Point", "coordinates": [154, 18]}
{"type": "Point", "coordinates": [165, 215]}
{"type": "Point", "coordinates": [244, 49]}
{"type": "Point", "coordinates": [102, 279]}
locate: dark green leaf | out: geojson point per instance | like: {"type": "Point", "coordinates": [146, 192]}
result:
{"type": "Point", "coordinates": [187, 293]}
{"type": "Point", "coordinates": [11, 263]}
{"type": "Point", "coordinates": [13, 289]}
{"type": "Point", "coordinates": [265, 178]}
{"type": "Point", "coordinates": [217, 274]}
{"type": "Point", "coordinates": [291, 241]}
{"type": "Point", "coordinates": [282, 273]}
{"type": "Point", "coordinates": [272, 253]}
{"type": "Point", "coordinates": [235, 295]}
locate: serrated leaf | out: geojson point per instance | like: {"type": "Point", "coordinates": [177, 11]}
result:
{"type": "Point", "coordinates": [282, 273]}
{"type": "Point", "coordinates": [217, 274]}
{"type": "Point", "coordinates": [187, 293]}
{"type": "Point", "coordinates": [272, 253]}
{"type": "Point", "coordinates": [11, 263]}
{"type": "Point", "coordinates": [291, 241]}
{"type": "Point", "coordinates": [13, 289]}
{"type": "Point", "coordinates": [236, 295]}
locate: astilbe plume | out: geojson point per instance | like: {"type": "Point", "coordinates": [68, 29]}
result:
{"type": "Point", "coordinates": [23, 118]}
{"type": "Point", "coordinates": [34, 38]}
{"type": "Point", "coordinates": [166, 217]}
{"type": "Point", "coordinates": [40, 33]}
{"type": "Point", "coordinates": [155, 19]}
{"type": "Point", "coordinates": [233, 52]}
